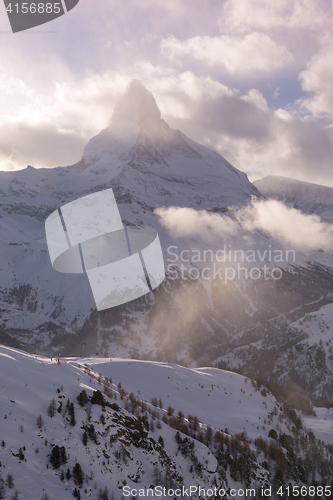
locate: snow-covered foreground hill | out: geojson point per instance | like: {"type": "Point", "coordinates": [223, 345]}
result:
{"type": "Point", "coordinates": [219, 398]}
{"type": "Point", "coordinates": [151, 424]}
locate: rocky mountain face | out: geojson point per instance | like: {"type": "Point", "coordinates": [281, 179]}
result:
{"type": "Point", "coordinates": [148, 165]}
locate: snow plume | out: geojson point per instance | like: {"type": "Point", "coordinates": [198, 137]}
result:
{"type": "Point", "coordinates": [285, 224]}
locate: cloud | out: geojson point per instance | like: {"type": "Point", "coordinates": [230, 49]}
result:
{"type": "Point", "coordinates": [245, 130]}
{"type": "Point", "coordinates": [317, 81]}
{"type": "Point", "coordinates": [288, 226]}
{"type": "Point", "coordinates": [40, 146]}
{"type": "Point", "coordinates": [249, 15]}
{"type": "Point", "coordinates": [256, 52]}
{"type": "Point", "coordinates": [184, 222]}
{"type": "Point", "coordinates": [49, 126]}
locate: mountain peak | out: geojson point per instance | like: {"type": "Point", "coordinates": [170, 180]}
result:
{"type": "Point", "coordinates": [144, 159]}
{"type": "Point", "coordinates": [136, 105]}
{"type": "Point", "coordinates": [134, 114]}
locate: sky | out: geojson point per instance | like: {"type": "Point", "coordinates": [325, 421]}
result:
{"type": "Point", "coordinates": [251, 79]}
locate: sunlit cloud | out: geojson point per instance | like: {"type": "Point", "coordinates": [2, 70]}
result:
{"type": "Point", "coordinates": [287, 226]}
{"type": "Point", "coordinates": [317, 81]}
{"type": "Point", "coordinates": [250, 15]}
{"type": "Point", "coordinates": [256, 52]}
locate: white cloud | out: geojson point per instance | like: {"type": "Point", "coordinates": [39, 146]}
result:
{"type": "Point", "coordinates": [40, 146]}
{"type": "Point", "coordinates": [317, 81]}
{"type": "Point", "coordinates": [251, 15]}
{"type": "Point", "coordinates": [183, 222]}
{"type": "Point", "coordinates": [245, 130]}
{"type": "Point", "coordinates": [287, 226]}
{"type": "Point", "coordinates": [256, 52]}
{"type": "Point", "coordinates": [49, 126]}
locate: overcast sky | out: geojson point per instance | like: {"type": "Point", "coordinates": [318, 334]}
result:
{"type": "Point", "coordinates": [249, 78]}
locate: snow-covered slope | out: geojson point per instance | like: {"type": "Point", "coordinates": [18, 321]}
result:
{"type": "Point", "coordinates": [219, 398]}
{"type": "Point", "coordinates": [29, 383]}
{"type": "Point", "coordinates": [305, 196]}
{"type": "Point", "coordinates": [123, 439]}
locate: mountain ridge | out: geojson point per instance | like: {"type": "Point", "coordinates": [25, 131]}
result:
{"type": "Point", "coordinates": [308, 197]}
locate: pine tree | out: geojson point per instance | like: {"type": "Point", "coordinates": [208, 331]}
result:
{"type": "Point", "coordinates": [63, 455]}
{"type": "Point", "coordinates": [78, 474]}
{"type": "Point", "coordinates": [170, 411]}
{"type": "Point", "coordinates": [10, 481]}
{"type": "Point", "coordinates": [82, 398]}
{"type": "Point", "coordinates": [103, 494]}
{"type": "Point", "coordinates": [40, 422]}
{"type": "Point", "coordinates": [97, 398]}
{"type": "Point", "coordinates": [55, 458]}
{"type": "Point", "coordinates": [77, 494]}
{"type": "Point", "coordinates": [52, 408]}
{"type": "Point", "coordinates": [71, 413]}
{"type": "Point", "coordinates": [2, 488]}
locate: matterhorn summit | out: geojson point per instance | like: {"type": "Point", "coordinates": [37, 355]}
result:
{"type": "Point", "coordinates": [149, 163]}
{"type": "Point", "coordinates": [138, 109]}
{"type": "Point", "coordinates": [135, 114]}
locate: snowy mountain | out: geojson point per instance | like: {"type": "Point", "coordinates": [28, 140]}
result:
{"type": "Point", "coordinates": [147, 164]}
{"type": "Point", "coordinates": [152, 165]}
{"type": "Point", "coordinates": [100, 429]}
{"type": "Point", "coordinates": [305, 196]}
{"type": "Point", "coordinates": [194, 322]}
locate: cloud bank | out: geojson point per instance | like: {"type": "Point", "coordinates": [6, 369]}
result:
{"type": "Point", "coordinates": [256, 52]}
{"type": "Point", "coordinates": [287, 226]}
